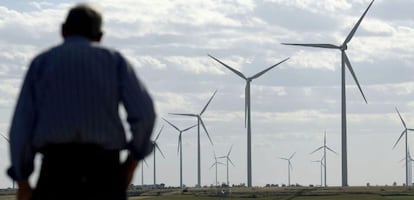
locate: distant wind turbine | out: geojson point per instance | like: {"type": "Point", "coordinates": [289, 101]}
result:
{"type": "Point", "coordinates": [199, 121]}
{"type": "Point", "coordinates": [345, 61]}
{"type": "Point", "coordinates": [289, 166]}
{"type": "Point", "coordinates": [155, 148]}
{"type": "Point", "coordinates": [180, 147]}
{"type": "Point", "coordinates": [247, 111]}
{"type": "Point", "coordinates": [404, 132]}
{"type": "Point", "coordinates": [324, 147]}
{"type": "Point", "coordinates": [216, 162]}
{"type": "Point", "coordinates": [322, 166]}
{"type": "Point", "coordinates": [8, 141]}
{"type": "Point", "coordinates": [227, 157]}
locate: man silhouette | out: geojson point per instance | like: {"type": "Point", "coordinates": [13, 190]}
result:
{"type": "Point", "coordinates": [68, 111]}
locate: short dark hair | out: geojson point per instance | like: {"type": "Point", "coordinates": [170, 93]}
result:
{"type": "Point", "coordinates": [83, 20]}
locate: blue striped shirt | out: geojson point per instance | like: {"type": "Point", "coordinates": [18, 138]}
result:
{"type": "Point", "coordinates": [71, 94]}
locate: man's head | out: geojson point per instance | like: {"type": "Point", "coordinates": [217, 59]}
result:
{"type": "Point", "coordinates": [85, 21]}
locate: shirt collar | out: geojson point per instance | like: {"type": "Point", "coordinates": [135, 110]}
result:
{"type": "Point", "coordinates": [76, 39]}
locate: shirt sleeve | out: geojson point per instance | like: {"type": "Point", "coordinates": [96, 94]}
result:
{"type": "Point", "coordinates": [140, 111]}
{"type": "Point", "coordinates": [21, 130]}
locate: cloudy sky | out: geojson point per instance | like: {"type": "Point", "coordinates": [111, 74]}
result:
{"type": "Point", "coordinates": [292, 105]}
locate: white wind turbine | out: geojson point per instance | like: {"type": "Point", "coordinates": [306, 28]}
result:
{"type": "Point", "coordinates": [215, 164]}
{"type": "Point", "coordinates": [247, 111]}
{"type": "Point", "coordinates": [180, 147]}
{"type": "Point", "coordinates": [8, 141]}
{"type": "Point", "coordinates": [155, 148]}
{"type": "Point", "coordinates": [289, 166]}
{"type": "Point", "coordinates": [324, 147]}
{"type": "Point", "coordinates": [345, 61]}
{"type": "Point", "coordinates": [404, 132]}
{"type": "Point", "coordinates": [199, 121]}
{"type": "Point", "coordinates": [227, 157]}
{"type": "Point", "coordinates": [322, 166]}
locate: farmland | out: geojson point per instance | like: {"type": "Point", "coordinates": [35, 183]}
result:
{"type": "Point", "coordinates": [262, 193]}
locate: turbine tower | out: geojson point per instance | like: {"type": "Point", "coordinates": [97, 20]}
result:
{"type": "Point", "coordinates": [289, 166]}
{"type": "Point", "coordinates": [247, 111]}
{"type": "Point", "coordinates": [142, 172]}
{"type": "Point", "coordinates": [216, 162]}
{"type": "Point", "coordinates": [199, 121]}
{"type": "Point", "coordinates": [227, 157]}
{"type": "Point", "coordinates": [8, 141]}
{"type": "Point", "coordinates": [345, 62]}
{"type": "Point", "coordinates": [404, 132]}
{"type": "Point", "coordinates": [180, 147]}
{"type": "Point", "coordinates": [156, 147]}
{"type": "Point", "coordinates": [322, 166]}
{"type": "Point", "coordinates": [324, 147]}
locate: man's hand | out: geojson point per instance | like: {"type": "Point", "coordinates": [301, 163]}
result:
{"type": "Point", "coordinates": [24, 191]}
{"type": "Point", "coordinates": [130, 165]}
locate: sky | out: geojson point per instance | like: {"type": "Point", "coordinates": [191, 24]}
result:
{"type": "Point", "coordinates": [292, 105]}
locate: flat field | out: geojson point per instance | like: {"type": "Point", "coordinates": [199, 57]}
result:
{"type": "Point", "coordinates": [300, 193]}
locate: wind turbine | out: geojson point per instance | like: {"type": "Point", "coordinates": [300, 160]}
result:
{"type": "Point", "coordinates": [216, 162]}
{"type": "Point", "coordinates": [404, 132]}
{"type": "Point", "coordinates": [227, 157]}
{"type": "Point", "coordinates": [199, 121]}
{"type": "Point", "coordinates": [322, 166]}
{"type": "Point", "coordinates": [289, 166]}
{"type": "Point", "coordinates": [8, 141]}
{"type": "Point", "coordinates": [156, 147]}
{"type": "Point", "coordinates": [180, 147]}
{"type": "Point", "coordinates": [247, 111]}
{"type": "Point", "coordinates": [324, 147]}
{"type": "Point", "coordinates": [345, 61]}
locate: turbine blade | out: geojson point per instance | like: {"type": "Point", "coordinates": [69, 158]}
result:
{"type": "Point", "coordinates": [317, 149]}
{"type": "Point", "coordinates": [7, 139]}
{"type": "Point", "coordinates": [179, 144]}
{"type": "Point", "coordinates": [402, 134]}
{"type": "Point", "coordinates": [410, 129]}
{"type": "Point", "coordinates": [221, 163]}
{"type": "Point", "coordinates": [402, 120]}
{"type": "Point", "coordinates": [184, 114]}
{"type": "Point", "coordinates": [159, 133]}
{"type": "Point", "coordinates": [231, 162]}
{"type": "Point", "coordinates": [162, 154]}
{"type": "Point", "coordinates": [171, 124]}
{"type": "Point", "coordinates": [283, 158]}
{"type": "Point", "coordinates": [205, 107]}
{"type": "Point", "coordinates": [266, 70]}
{"type": "Point", "coordinates": [290, 165]}
{"type": "Point", "coordinates": [212, 165]}
{"type": "Point", "coordinates": [351, 34]}
{"type": "Point", "coordinates": [205, 129]}
{"type": "Point", "coordinates": [292, 156]}
{"type": "Point", "coordinates": [353, 74]}
{"type": "Point", "coordinates": [228, 67]}
{"type": "Point", "coordinates": [327, 46]}
{"type": "Point", "coordinates": [145, 162]}
{"type": "Point", "coordinates": [331, 150]}
{"type": "Point", "coordinates": [189, 128]}
{"type": "Point", "coordinates": [231, 147]}
{"type": "Point", "coordinates": [246, 90]}
{"type": "Point", "coordinates": [222, 157]}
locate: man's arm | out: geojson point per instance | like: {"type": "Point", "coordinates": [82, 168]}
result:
{"type": "Point", "coordinates": [21, 150]}
{"type": "Point", "coordinates": [140, 110]}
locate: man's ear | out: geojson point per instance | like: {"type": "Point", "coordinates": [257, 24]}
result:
{"type": "Point", "coordinates": [98, 38]}
{"type": "Point", "coordinates": [63, 31]}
